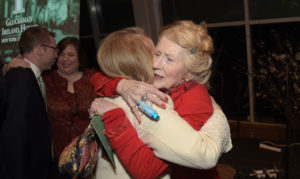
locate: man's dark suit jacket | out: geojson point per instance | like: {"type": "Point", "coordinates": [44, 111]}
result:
{"type": "Point", "coordinates": [2, 96]}
{"type": "Point", "coordinates": [25, 134]}
{"type": "Point", "coordinates": [2, 108]}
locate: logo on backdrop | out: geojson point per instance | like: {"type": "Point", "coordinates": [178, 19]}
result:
{"type": "Point", "coordinates": [15, 26]}
{"type": "Point", "coordinates": [17, 15]}
{"type": "Point", "coordinates": [19, 8]}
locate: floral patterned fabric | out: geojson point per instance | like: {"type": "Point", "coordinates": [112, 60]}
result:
{"type": "Point", "coordinates": [80, 157]}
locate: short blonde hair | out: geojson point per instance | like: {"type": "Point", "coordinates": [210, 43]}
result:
{"type": "Point", "coordinates": [126, 54]}
{"type": "Point", "coordinates": [199, 47]}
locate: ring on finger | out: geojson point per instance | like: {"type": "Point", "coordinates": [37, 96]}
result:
{"type": "Point", "coordinates": [144, 97]}
{"type": "Point", "coordinates": [95, 112]}
{"type": "Point", "coordinates": [133, 107]}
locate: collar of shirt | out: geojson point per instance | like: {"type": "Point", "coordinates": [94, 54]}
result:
{"type": "Point", "coordinates": [34, 68]}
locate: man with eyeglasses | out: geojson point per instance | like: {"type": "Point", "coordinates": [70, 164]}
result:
{"type": "Point", "coordinates": [25, 133]}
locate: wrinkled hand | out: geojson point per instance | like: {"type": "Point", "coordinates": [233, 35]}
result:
{"type": "Point", "coordinates": [102, 106]}
{"type": "Point", "coordinates": [132, 92]}
{"type": "Point", "coordinates": [14, 63]}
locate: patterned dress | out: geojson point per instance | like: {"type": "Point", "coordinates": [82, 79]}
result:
{"type": "Point", "coordinates": [67, 112]}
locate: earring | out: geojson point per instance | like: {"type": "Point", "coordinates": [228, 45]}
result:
{"type": "Point", "coordinates": [187, 83]}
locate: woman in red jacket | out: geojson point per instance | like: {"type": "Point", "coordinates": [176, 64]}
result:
{"type": "Point", "coordinates": [181, 66]}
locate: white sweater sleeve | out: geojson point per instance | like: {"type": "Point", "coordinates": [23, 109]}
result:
{"type": "Point", "coordinates": [174, 140]}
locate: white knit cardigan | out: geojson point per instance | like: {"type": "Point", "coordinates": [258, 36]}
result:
{"type": "Point", "coordinates": [174, 140]}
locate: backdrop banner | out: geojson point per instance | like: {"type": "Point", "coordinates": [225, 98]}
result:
{"type": "Point", "coordinates": [58, 16]}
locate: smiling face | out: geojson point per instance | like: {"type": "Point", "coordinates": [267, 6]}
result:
{"type": "Point", "coordinates": [67, 62]}
{"type": "Point", "coordinates": [168, 64]}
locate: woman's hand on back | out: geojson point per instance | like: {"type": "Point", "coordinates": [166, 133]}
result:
{"type": "Point", "coordinates": [132, 92]}
{"type": "Point", "coordinates": [101, 106]}
{"type": "Point", "coordinates": [14, 63]}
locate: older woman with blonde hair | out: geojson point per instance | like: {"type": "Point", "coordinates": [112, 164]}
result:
{"type": "Point", "coordinates": [190, 138]}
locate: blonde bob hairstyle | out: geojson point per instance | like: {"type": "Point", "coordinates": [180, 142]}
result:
{"type": "Point", "coordinates": [198, 44]}
{"type": "Point", "coordinates": [127, 53]}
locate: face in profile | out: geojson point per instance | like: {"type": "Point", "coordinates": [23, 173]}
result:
{"type": "Point", "coordinates": [50, 54]}
{"type": "Point", "coordinates": [168, 64]}
{"type": "Point", "coordinates": [67, 61]}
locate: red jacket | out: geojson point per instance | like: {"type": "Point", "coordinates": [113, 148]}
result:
{"type": "Point", "coordinates": [191, 101]}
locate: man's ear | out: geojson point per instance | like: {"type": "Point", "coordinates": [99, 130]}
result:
{"type": "Point", "coordinates": [39, 50]}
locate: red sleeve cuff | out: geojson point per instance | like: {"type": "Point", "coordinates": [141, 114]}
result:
{"type": "Point", "coordinates": [113, 86]}
{"type": "Point", "coordinates": [103, 85]}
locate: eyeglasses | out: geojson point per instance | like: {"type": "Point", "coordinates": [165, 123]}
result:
{"type": "Point", "coordinates": [54, 48]}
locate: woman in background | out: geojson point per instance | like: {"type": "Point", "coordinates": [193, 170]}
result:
{"type": "Point", "coordinates": [69, 94]}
